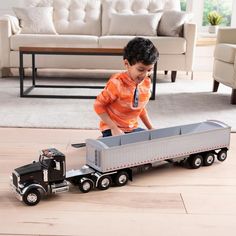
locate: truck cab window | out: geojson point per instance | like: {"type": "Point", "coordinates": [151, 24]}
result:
{"type": "Point", "coordinates": [56, 165]}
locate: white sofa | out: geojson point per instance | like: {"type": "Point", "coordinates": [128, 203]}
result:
{"type": "Point", "coordinates": [95, 23]}
{"type": "Point", "coordinates": [224, 69]}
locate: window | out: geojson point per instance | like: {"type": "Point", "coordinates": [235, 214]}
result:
{"type": "Point", "coordinates": [201, 8]}
{"type": "Point", "coordinates": [183, 5]}
{"type": "Point", "coordinates": [223, 7]}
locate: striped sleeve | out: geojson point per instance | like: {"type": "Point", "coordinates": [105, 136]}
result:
{"type": "Point", "coordinates": [108, 95]}
{"type": "Point", "coordinates": [143, 112]}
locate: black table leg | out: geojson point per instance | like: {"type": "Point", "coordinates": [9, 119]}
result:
{"type": "Point", "coordinates": [33, 69]}
{"type": "Point", "coordinates": [154, 80]}
{"type": "Point", "coordinates": [21, 71]}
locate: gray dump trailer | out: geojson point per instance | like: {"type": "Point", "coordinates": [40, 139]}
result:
{"type": "Point", "coordinates": [113, 160]}
{"type": "Point", "coordinates": [125, 151]}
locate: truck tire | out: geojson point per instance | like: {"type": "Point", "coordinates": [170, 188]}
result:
{"type": "Point", "coordinates": [32, 197]}
{"type": "Point", "coordinates": [104, 182]}
{"type": "Point", "coordinates": [222, 155]}
{"type": "Point", "coordinates": [85, 186]}
{"type": "Point", "coordinates": [208, 159]}
{"type": "Point", "coordinates": [121, 178]}
{"type": "Point", "coordinates": [195, 161]}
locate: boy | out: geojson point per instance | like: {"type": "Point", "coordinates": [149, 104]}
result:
{"type": "Point", "coordinates": [126, 94]}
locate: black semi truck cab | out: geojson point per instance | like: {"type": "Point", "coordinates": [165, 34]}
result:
{"type": "Point", "coordinates": [47, 176]}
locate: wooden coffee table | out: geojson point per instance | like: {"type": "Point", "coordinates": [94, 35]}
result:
{"type": "Point", "coordinates": [34, 51]}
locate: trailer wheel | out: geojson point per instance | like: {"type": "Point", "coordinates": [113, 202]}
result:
{"type": "Point", "coordinates": [195, 161]}
{"type": "Point", "coordinates": [121, 178]}
{"type": "Point", "coordinates": [85, 186]}
{"type": "Point", "coordinates": [208, 159]}
{"type": "Point", "coordinates": [222, 155]}
{"type": "Point", "coordinates": [104, 182]}
{"type": "Point", "coordinates": [32, 197]}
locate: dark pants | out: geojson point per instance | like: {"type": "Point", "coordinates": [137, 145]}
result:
{"type": "Point", "coordinates": [107, 133]}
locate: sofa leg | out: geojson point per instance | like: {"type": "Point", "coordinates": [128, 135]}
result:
{"type": "Point", "coordinates": [233, 97]}
{"type": "Point", "coordinates": [5, 72]}
{"type": "Point", "coordinates": [166, 72]}
{"type": "Point", "coordinates": [215, 86]}
{"type": "Point", "coordinates": [173, 76]}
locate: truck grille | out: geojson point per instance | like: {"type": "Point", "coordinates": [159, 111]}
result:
{"type": "Point", "coordinates": [14, 179]}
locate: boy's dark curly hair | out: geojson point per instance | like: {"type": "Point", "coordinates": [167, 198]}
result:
{"type": "Point", "coordinates": [140, 50]}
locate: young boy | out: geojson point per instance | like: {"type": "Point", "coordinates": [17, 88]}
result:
{"type": "Point", "coordinates": [126, 94]}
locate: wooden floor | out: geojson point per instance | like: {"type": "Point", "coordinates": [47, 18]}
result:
{"type": "Point", "coordinates": [168, 200]}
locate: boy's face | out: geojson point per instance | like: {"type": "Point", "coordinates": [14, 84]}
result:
{"type": "Point", "coordinates": [138, 71]}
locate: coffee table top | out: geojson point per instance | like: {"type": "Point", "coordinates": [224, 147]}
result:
{"type": "Point", "coordinates": [94, 51]}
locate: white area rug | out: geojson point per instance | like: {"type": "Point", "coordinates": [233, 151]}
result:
{"type": "Point", "coordinates": [185, 101]}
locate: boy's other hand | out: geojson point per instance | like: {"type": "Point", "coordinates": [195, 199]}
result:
{"type": "Point", "coordinates": [116, 131]}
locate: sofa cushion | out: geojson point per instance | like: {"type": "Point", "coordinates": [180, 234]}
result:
{"type": "Point", "coordinates": [35, 20]}
{"type": "Point", "coordinates": [22, 40]}
{"type": "Point", "coordinates": [74, 16]}
{"type": "Point", "coordinates": [134, 24]}
{"type": "Point", "coordinates": [225, 52]}
{"type": "Point", "coordinates": [110, 7]}
{"type": "Point", "coordinates": [165, 45]}
{"type": "Point", "coordinates": [171, 23]}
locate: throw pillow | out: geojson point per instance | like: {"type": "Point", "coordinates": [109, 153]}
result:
{"type": "Point", "coordinates": [136, 24]}
{"type": "Point", "coordinates": [171, 23]}
{"type": "Point", "coordinates": [35, 20]}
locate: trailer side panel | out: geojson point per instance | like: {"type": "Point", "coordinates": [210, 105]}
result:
{"type": "Point", "coordinates": [181, 141]}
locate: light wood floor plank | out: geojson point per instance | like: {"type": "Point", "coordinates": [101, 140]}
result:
{"type": "Point", "coordinates": [168, 200]}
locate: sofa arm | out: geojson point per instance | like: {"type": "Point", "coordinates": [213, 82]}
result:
{"type": "Point", "coordinates": [190, 34]}
{"type": "Point", "coordinates": [8, 26]}
{"type": "Point", "coordinates": [13, 23]}
{"type": "Point", "coordinates": [226, 35]}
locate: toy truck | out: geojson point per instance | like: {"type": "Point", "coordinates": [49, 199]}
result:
{"type": "Point", "coordinates": [112, 160]}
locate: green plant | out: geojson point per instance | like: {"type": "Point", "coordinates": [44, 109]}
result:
{"type": "Point", "coordinates": [214, 18]}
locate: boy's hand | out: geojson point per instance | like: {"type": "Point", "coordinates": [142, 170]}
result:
{"type": "Point", "coordinates": [116, 131]}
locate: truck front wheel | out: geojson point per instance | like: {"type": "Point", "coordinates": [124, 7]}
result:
{"type": "Point", "coordinates": [85, 186]}
{"type": "Point", "coordinates": [32, 197]}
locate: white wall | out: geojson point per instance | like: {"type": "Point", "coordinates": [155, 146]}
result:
{"type": "Point", "coordinates": [6, 6]}
{"type": "Point", "coordinates": [203, 60]}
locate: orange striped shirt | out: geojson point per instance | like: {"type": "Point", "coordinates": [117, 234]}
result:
{"type": "Point", "coordinates": [116, 99]}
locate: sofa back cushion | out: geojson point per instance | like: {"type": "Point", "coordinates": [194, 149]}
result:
{"type": "Point", "coordinates": [134, 24]}
{"type": "Point", "coordinates": [35, 20]}
{"type": "Point", "coordinates": [171, 23]}
{"type": "Point", "coordinates": [132, 7]}
{"type": "Point", "coordinates": [73, 16]}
